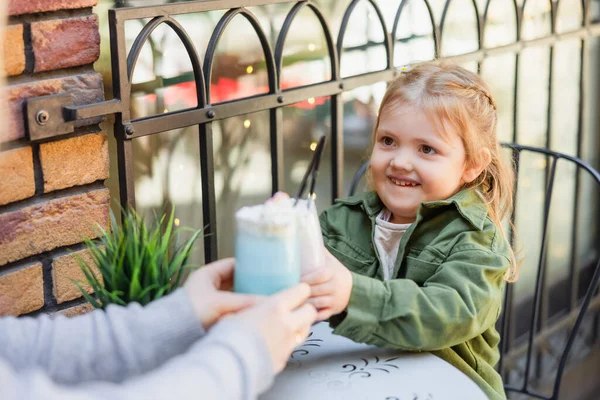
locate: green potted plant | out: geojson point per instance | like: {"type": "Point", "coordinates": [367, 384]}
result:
{"type": "Point", "coordinates": [137, 262]}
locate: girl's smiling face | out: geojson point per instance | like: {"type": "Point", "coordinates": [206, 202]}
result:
{"type": "Point", "coordinates": [412, 163]}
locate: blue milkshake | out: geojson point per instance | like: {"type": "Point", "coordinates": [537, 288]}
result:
{"type": "Point", "coordinates": [266, 248]}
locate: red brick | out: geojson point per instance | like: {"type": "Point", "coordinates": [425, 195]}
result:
{"type": "Point", "coordinates": [65, 270]}
{"type": "Point", "coordinates": [22, 291]}
{"type": "Point", "coordinates": [76, 161]}
{"type": "Point", "coordinates": [19, 7]}
{"type": "Point", "coordinates": [62, 43]}
{"type": "Point", "coordinates": [84, 88]}
{"type": "Point", "coordinates": [16, 175]}
{"type": "Point", "coordinates": [14, 50]}
{"type": "Point", "coordinates": [41, 227]}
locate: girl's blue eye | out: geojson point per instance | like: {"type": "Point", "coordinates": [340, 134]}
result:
{"type": "Point", "coordinates": [427, 149]}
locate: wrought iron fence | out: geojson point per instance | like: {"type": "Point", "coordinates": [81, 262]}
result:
{"type": "Point", "coordinates": [510, 53]}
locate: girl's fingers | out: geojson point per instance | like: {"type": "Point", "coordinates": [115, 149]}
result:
{"type": "Point", "coordinates": [324, 289]}
{"type": "Point", "coordinates": [319, 276]}
{"type": "Point", "coordinates": [324, 314]}
{"type": "Point", "coordinates": [321, 302]}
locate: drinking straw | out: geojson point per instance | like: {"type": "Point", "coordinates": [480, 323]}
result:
{"type": "Point", "coordinates": [312, 170]}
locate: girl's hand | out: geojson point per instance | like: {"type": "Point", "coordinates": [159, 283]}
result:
{"type": "Point", "coordinates": [330, 287]}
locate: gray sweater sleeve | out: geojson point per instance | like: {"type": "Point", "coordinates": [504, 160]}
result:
{"type": "Point", "coordinates": [110, 346]}
{"type": "Point", "coordinates": [231, 362]}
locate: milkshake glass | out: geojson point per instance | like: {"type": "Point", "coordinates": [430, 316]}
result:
{"type": "Point", "coordinates": [266, 247]}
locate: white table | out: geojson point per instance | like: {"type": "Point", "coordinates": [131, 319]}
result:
{"type": "Point", "coordinates": [331, 367]}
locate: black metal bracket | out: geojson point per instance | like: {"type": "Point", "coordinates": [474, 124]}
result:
{"type": "Point", "coordinates": [55, 115]}
{"type": "Point", "coordinates": [46, 116]}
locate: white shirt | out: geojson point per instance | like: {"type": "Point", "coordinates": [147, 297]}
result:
{"type": "Point", "coordinates": [387, 241]}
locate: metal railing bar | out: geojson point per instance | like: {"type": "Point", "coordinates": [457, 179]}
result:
{"type": "Point", "coordinates": [519, 46]}
{"type": "Point", "coordinates": [181, 119]}
{"type": "Point", "coordinates": [277, 149]}
{"type": "Point", "coordinates": [127, 13]}
{"type": "Point", "coordinates": [540, 278]}
{"type": "Point", "coordinates": [209, 203]}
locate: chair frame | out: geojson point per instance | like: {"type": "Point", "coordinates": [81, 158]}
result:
{"type": "Point", "coordinates": [592, 287]}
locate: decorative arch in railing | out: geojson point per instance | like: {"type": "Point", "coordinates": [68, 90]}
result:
{"type": "Point", "coordinates": [525, 12]}
{"type": "Point", "coordinates": [434, 26]}
{"type": "Point", "coordinates": [331, 49]}
{"type": "Point", "coordinates": [486, 13]}
{"type": "Point", "coordinates": [143, 37]}
{"type": "Point", "coordinates": [387, 41]}
{"type": "Point", "coordinates": [561, 19]}
{"type": "Point", "coordinates": [444, 20]}
{"type": "Point", "coordinates": [264, 42]}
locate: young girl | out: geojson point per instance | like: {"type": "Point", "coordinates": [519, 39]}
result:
{"type": "Point", "coordinates": [424, 255]}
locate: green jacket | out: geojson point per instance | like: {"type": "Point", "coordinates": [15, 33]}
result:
{"type": "Point", "coordinates": [447, 294]}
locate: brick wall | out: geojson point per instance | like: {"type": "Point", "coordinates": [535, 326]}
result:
{"type": "Point", "coordinates": [51, 193]}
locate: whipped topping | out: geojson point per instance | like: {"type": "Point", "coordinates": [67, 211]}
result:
{"type": "Point", "coordinates": [277, 216]}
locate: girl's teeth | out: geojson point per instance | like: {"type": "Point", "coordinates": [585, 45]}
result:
{"type": "Point", "coordinates": [399, 183]}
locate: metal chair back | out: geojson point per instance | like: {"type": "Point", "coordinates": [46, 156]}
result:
{"type": "Point", "coordinates": [575, 318]}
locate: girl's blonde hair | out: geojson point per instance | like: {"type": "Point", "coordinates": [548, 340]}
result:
{"type": "Point", "coordinates": [457, 100]}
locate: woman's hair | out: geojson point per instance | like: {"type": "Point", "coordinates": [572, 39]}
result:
{"type": "Point", "coordinates": [457, 100]}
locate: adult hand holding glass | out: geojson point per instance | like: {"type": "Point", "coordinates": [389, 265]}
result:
{"type": "Point", "coordinates": [209, 289]}
{"type": "Point", "coordinates": [283, 320]}
{"type": "Point", "coordinates": [159, 351]}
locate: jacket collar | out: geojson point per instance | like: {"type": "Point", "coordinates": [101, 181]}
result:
{"type": "Point", "coordinates": [469, 203]}
{"type": "Point", "coordinates": [370, 201]}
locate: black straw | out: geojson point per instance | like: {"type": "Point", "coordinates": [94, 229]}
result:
{"type": "Point", "coordinates": [317, 162]}
{"type": "Point", "coordinates": [312, 167]}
